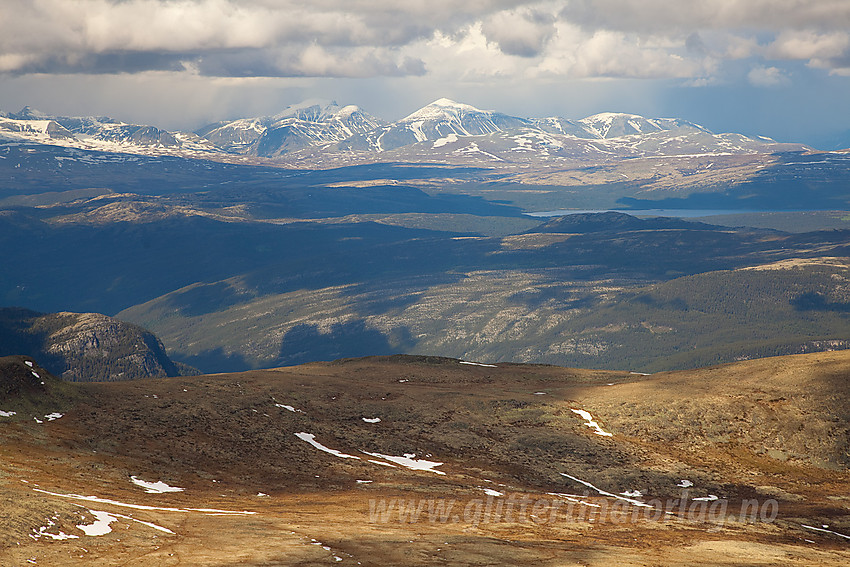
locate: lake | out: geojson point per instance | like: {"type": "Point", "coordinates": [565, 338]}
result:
{"type": "Point", "coordinates": [678, 213]}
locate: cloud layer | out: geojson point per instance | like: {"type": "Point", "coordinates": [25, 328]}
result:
{"type": "Point", "coordinates": [694, 41]}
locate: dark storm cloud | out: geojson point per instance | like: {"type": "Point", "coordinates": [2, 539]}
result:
{"type": "Point", "coordinates": [520, 32]}
{"type": "Point", "coordinates": [102, 63]}
{"type": "Point", "coordinates": [694, 44]}
{"type": "Point", "coordinates": [649, 39]}
{"type": "Point", "coordinates": [61, 36]}
{"type": "Point", "coordinates": [664, 15]}
{"type": "Point", "coordinates": [311, 61]}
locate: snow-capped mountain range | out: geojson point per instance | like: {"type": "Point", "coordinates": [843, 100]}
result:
{"type": "Point", "coordinates": [298, 127]}
{"type": "Point", "coordinates": [317, 132]}
{"type": "Point", "coordinates": [97, 133]}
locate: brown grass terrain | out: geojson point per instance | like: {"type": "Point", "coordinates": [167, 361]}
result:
{"type": "Point", "coordinates": [770, 434]}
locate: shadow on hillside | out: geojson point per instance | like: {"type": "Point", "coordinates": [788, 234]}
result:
{"type": "Point", "coordinates": [307, 343]}
{"type": "Point", "coordinates": [19, 337]}
{"type": "Point", "coordinates": [215, 361]}
{"type": "Point", "coordinates": [817, 302]}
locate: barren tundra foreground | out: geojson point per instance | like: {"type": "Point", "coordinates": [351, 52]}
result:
{"type": "Point", "coordinates": [430, 461]}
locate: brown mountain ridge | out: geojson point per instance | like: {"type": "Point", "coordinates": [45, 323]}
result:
{"type": "Point", "coordinates": [432, 461]}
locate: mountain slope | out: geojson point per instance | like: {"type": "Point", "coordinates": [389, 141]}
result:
{"type": "Point", "coordinates": [101, 132]}
{"type": "Point", "coordinates": [443, 119]}
{"type": "Point", "coordinates": [82, 347]}
{"type": "Point", "coordinates": [306, 125]}
{"type": "Point", "coordinates": [21, 376]}
{"type": "Point", "coordinates": [612, 221]}
{"type": "Point", "coordinates": [606, 290]}
{"type": "Point", "coordinates": [426, 461]}
{"type": "Point", "coordinates": [615, 125]}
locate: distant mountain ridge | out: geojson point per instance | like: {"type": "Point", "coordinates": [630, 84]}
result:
{"type": "Point", "coordinates": [297, 127]}
{"type": "Point", "coordinates": [439, 120]}
{"type": "Point", "coordinates": [612, 221]}
{"type": "Point", "coordinates": [98, 133]}
{"type": "Point", "coordinates": [442, 130]}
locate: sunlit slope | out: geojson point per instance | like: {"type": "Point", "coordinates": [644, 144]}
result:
{"type": "Point", "coordinates": [308, 464]}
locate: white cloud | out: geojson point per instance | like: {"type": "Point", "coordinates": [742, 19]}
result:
{"type": "Point", "coordinates": [361, 38]}
{"type": "Point", "coordinates": [13, 61]}
{"type": "Point", "coordinates": [316, 61]}
{"type": "Point", "coordinates": [768, 77]}
{"type": "Point", "coordinates": [809, 44]}
{"type": "Point", "coordinates": [467, 56]}
{"type": "Point", "coordinates": [614, 54]}
{"type": "Point", "coordinates": [576, 52]}
{"type": "Point", "coordinates": [93, 36]}
{"type": "Point", "coordinates": [738, 47]}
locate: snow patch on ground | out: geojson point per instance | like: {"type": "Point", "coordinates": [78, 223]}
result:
{"type": "Point", "coordinates": [100, 525]}
{"type": "Point", "coordinates": [591, 422]}
{"type": "Point", "coordinates": [158, 487]}
{"type": "Point", "coordinates": [824, 530]}
{"type": "Point", "coordinates": [59, 536]}
{"type": "Point", "coordinates": [478, 364]}
{"type": "Point", "coordinates": [286, 407]}
{"type": "Point", "coordinates": [573, 498]}
{"type": "Point", "coordinates": [148, 524]}
{"type": "Point", "coordinates": [604, 493]}
{"type": "Point", "coordinates": [98, 500]}
{"type": "Point", "coordinates": [311, 439]}
{"type": "Point", "coordinates": [450, 139]}
{"type": "Point", "coordinates": [491, 492]}
{"type": "Point", "coordinates": [410, 461]}
{"type": "Point", "coordinates": [28, 363]}
{"type": "Point", "coordinates": [371, 419]}
{"type": "Point", "coordinates": [7, 413]}
{"type": "Point", "coordinates": [685, 484]}
{"type": "Point", "coordinates": [42, 531]}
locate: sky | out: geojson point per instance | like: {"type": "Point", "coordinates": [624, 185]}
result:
{"type": "Point", "coordinates": [779, 68]}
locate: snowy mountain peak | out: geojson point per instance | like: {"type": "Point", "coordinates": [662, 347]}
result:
{"type": "Point", "coordinates": [611, 116]}
{"type": "Point", "coordinates": [449, 103]}
{"type": "Point", "coordinates": [347, 111]}
{"type": "Point", "coordinates": [442, 109]}
{"type": "Point", "coordinates": [30, 113]}
{"type": "Point", "coordinates": [616, 124]}
{"type": "Point", "coordinates": [440, 119]}
{"type": "Point", "coordinates": [313, 110]}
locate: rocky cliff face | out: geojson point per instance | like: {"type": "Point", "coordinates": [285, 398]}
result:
{"type": "Point", "coordinates": [84, 347]}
